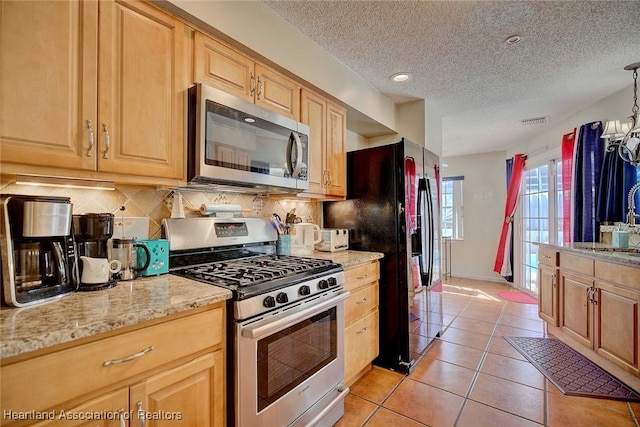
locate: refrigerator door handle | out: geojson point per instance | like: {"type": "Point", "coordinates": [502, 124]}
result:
{"type": "Point", "coordinates": [421, 217]}
{"type": "Point", "coordinates": [416, 236]}
{"type": "Point", "coordinates": [430, 242]}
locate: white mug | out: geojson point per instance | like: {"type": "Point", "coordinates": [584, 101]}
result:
{"type": "Point", "coordinates": [98, 270]}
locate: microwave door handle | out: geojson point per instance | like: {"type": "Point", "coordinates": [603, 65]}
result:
{"type": "Point", "coordinates": [294, 165]}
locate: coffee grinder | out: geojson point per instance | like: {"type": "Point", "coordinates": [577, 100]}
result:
{"type": "Point", "coordinates": [92, 232]}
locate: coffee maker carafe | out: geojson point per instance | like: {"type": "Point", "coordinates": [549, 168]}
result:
{"type": "Point", "coordinates": [39, 261]}
{"type": "Point", "coordinates": [92, 233]}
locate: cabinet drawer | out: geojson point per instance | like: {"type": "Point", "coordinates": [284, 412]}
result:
{"type": "Point", "coordinates": [63, 375]}
{"type": "Point", "coordinates": [577, 264]}
{"type": "Point", "coordinates": [617, 273]}
{"type": "Point", "coordinates": [361, 344]}
{"type": "Point", "coordinates": [361, 275]}
{"type": "Point", "coordinates": [548, 256]}
{"type": "Point", "coordinates": [360, 302]}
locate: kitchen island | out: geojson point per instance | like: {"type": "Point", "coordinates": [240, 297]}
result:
{"type": "Point", "coordinates": [589, 296]}
{"type": "Point", "coordinates": [135, 350]}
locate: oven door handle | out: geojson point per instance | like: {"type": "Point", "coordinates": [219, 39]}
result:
{"type": "Point", "coordinates": [280, 321]}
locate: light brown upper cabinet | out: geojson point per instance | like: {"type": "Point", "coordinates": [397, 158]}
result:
{"type": "Point", "coordinates": [222, 67]}
{"type": "Point", "coordinates": [327, 157]}
{"type": "Point", "coordinates": [93, 86]}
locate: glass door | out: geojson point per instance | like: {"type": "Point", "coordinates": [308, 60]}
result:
{"type": "Point", "coordinates": [541, 217]}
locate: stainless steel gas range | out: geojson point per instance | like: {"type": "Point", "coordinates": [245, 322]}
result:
{"type": "Point", "coordinates": [285, 323]}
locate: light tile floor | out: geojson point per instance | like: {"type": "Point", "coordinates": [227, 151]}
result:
{"type": "Point", "coordinates": [472, 377]}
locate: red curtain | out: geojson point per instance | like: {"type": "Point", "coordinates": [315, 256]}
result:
{"type": "Point", "coordinates": [568, 142]}
{"type": "Point", "coordinates": [502, 264]}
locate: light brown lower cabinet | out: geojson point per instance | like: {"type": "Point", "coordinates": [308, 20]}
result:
{"type": "Point", "coordinates": [361, 319]}
{"type": "Point", "coordinates": [598, 306]}
{"type": "Point", "coordinates": [169, 373]}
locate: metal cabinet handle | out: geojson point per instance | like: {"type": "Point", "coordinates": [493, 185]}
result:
{"type": "Point", "coordinates": [362, 331]}
{"type": "Point", "coordinates": [329, 180]}
{"type": "Point", "coordinates": [553, 281]}
{"type": "Point", "coordinates": [593, 296]}
{"type": "Point", "coordinates": [91, 138]}
{"type": "Point", "coordinates": [121, 415]}
{"type": "Point", "coordinates": [107, 141]}
{"type": "Point", "coordinates": [364, 276]}
{"type": "Point", "coordinates": [362, 301]}
{"type": "Point", "coordinates": [140, 414]}
{"type": "Point", "coordinates": [128, 358]}
{"type": "Point", "coordinates": [252, 84]}
{"type": "Point", "coordinates": [260, 87]}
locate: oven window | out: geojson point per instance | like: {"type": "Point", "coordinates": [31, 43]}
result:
{"type": "Point", "coordinates": [288, 357]}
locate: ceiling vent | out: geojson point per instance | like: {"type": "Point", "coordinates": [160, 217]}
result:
{"type": "Point", "coordinates": [535, 121]}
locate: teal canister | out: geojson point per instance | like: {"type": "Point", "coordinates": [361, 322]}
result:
{"type": "Point", "coordinates": [159, 257]}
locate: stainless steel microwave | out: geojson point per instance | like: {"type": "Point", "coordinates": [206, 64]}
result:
{"type": "Point", "coordinates": [236, 145]}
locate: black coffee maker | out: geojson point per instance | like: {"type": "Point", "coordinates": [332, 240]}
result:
{"type": "Point", "coordinates": [92, 233]}
{"type": "Point", "coordinates": [39, 260]}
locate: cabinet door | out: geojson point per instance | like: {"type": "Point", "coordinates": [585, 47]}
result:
{"type": "Point", "coordinates": [576, 315]}
{"type": "Point", "coordinates": [313, 114]}
{"type": "Point", "coordinates": [219, 66]}
{"type": "Point", "coordinates": [276, 92]}
{"type": "Point", "coordinates": [548, 294]}
{"type": "Point", "coordinates": [114, 404]}
{"type": "Point", "coordinates": [141, 91]}
{"type": "Point", "coordinates": [335, 151]}
{"type": "Point", "coordinates": [191, 394]}
{"type": "Point", "coordinates": [617, 318]}
{"type": "Point", "coordinates": [360, 345]}
{"type": "Point", "coordinates": [48, 87]}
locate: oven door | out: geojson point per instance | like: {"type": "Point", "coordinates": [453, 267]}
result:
{"type": "Point", "coordinates": [290, 366]}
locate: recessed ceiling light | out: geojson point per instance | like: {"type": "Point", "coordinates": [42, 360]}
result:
{"type": "Point", "coordinates": [514, 39]}
{"type": "Point", "coordinates": [401, 77]}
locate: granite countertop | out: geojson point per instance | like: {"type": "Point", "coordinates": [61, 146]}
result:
{"type": "Point", "coordinates": [627, 256]}
{"type": "Point", "coordinates": [83, 314]}
{"type": "Point", "coordinates": [348, 258]}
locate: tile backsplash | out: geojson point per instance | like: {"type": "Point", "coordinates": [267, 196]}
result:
{"type": "Point", "coordinates": [156, 204]}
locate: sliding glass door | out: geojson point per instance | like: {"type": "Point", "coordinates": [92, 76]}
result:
{"type": "Point", "coordinates": [540, 218]}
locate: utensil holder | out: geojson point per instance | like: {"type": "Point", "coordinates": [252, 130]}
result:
{"type": "Point", "coordinates": [283, 244]}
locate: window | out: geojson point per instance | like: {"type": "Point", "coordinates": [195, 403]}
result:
{"type": "Point", "coordinates": [541, 216]}
{"type": "Point", "coordinates": [452, 207]}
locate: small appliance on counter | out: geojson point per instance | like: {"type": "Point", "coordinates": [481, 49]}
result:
{"type": "Point", "coordinates": [333, 240]}
{"type": "Point", "coordinates": [156, 257]}
{"type": "Point", "coordinates": [92, 233]}
{"type": "Point", "coordinates": [39, 260]}
{"type": "Point", "coordinates": [305, 236]}
{"type": "Point", "coordinates": [126, 251]}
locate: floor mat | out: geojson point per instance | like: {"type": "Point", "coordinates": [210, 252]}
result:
{"type": "Point", "coordinates": [517, 296]}
{"type": "Point", "coordinates": [571, 372]}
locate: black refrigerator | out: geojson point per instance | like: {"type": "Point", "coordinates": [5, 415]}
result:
{"type": "Point", "coordinates": [392, 207]}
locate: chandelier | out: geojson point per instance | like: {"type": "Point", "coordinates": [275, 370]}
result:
{"type": "Point", "coordinates": [625, 137]}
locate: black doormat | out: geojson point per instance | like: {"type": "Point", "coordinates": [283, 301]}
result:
{"type": "Point", "coordinates": [571, 372]}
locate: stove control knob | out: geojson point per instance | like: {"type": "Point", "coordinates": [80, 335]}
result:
{"type": "Point", "coordinates": [269, 302]}
{"type": "Point", "coordinates": [304, 290]}
{"type": "Point", "coordinates": [332, 281]}
{"type": "Point", "coordinates": [282, 298]}
{"type": "Point", "coordinates": [323, 284]}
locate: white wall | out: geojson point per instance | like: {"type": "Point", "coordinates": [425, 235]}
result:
{"type": "Point", "coordinates": [484, 195]}
{"type": "Point", "coordinates": [616, 106]}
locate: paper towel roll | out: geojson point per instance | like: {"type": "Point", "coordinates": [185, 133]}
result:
{"type": "Point", "coordinates": [229, 210]}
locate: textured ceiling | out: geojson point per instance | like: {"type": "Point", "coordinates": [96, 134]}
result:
{"type": "Point", "coordinates": [572, 54]}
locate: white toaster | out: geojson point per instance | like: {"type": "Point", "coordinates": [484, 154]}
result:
{"type": "Point", "coordinates": [333, 239]}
